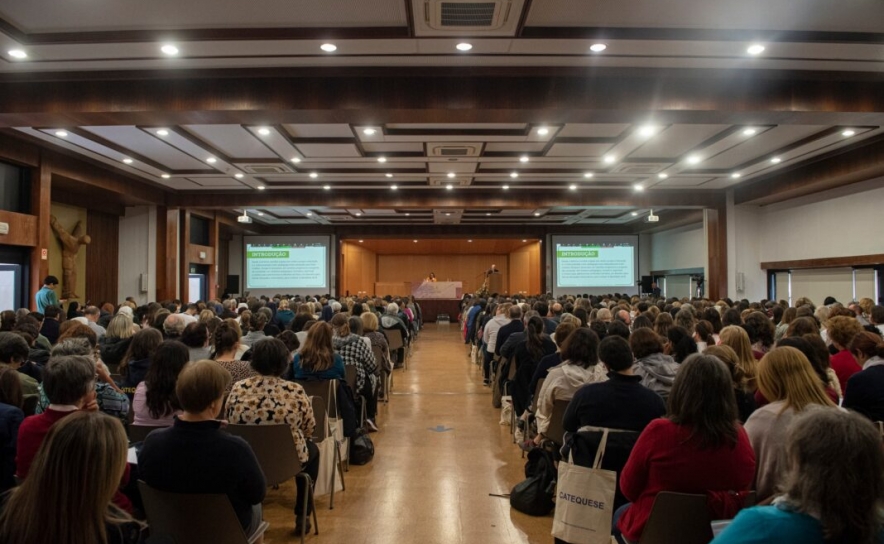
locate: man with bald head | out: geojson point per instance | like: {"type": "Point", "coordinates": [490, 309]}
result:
{"type": "Point", "coordinates": [623, 315]}
{"type": "Point", "coordinates": [173, 326]}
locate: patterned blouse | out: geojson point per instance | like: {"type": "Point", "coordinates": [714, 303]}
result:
{"type": "Point", "coordinates": [356, 352]}
{"type": "Point", "coordinates": [265, 400]}
{"type": "Point", "coordinates": [239, 370]}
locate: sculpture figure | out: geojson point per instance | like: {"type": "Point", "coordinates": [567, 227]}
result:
{"type": "Point", "coordinates": [70, 246]}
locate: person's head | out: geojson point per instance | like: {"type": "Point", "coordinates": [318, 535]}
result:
{"type": "Point", "coordinates": [67, 494]}
{"type": "Point", "coordinates": [704, 332]}
{"type": "Point", "coordinates": [201, 387]}
{"type": "Point", "coordinates": [563, 331]}
{"type": "Point", "coordinates": [270, 357]}
{"type": "Point", "coordinates": [866, 345]}
{"type": "Point", "coordinates": [685, 319]}
{"type": "Point", "coordinates": [731, 317]}
{"type": "Point", "coordinates": [805, 345]}
{"type": "Point", "coordinates": [581, 348]}
{"type": "Point", "coordinates": [835, 469]}
{"type": "Point", "coordinates": [642, 321]}
{"type": "Point", "coordinates": [615, 353]}
{"type": "Point", "coordinates": [662, 324]}
{"type": "Point", "coordinates": [841, 330]}
{"type": "Point", "coordinates": [254, 321]}
{"type": "Point", "coordinates": [785, 374]}
{"type": "Point", "coordinates": [340, 325]}
{"type": "Point", "coordinates": [604, 315]}
{"type": "Point", "coordinates": [52, 312]}
{"type": "Point", "coordinates": [803, 325]}
{"type": "Point", "coordinates": [702, 399]}
{"type": "Point", "coordinates": [393, 308]}
{"type": "Point", "coordinates": [144, 343]}
{"type": "Point", "coordinates": [729, 357]}
{"type": "Point", "coordinates": [290, 340]}
{"type": "Point", "coordinates": [876, 315]}
{"type": "Point", "coordinates": [318, 351]}
{"type": "Point", "coordinates": [760, 329]}
{"type": "Point", "coordinates": [14, 349]}
{"type": "Point", "coordinates": [10, 387]}
{"type": "Point", "coordinates": [92, 313]}
{"type": "Point", "coordinates": [645, 342]}
{"type": "Point", "coordinates": [355, 324]}
{"type": "Point", "coordinates": [680, 343]}
{"type": "Point", "coordinates": [50, 282]}
{"type": "Point", "coordinates": [173, 326]}
{"type": "Point", "coordinates": [736, 338]}
{"type": "Point", "coordinates": [195, 335]}
{"type": "Point", "coordinates": [226, 338]}
{"type": "Point", "coordinates": [162, 374]}
{"type": "Point", "coordinates": [515, 312]}
{"type": "Point", "coordinates": [369, 322]}
{"type": "Point", "coordinates": [69, 379]}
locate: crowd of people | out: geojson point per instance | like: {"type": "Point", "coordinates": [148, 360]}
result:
{"type": "Point", "coordinates": [735, 400]}
{"type": "Point", "coordinates": [72, 380]}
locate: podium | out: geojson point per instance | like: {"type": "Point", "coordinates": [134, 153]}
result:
{"type": "Point", "coordinates": [496, 284]}
{"type": "Point", "coordinates": [438, 298]}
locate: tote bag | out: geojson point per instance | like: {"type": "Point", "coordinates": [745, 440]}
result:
{"type": "Point", "coordinates": [585, 500]}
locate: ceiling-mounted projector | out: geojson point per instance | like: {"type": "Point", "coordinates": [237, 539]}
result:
{"type": "Point", "coordinates": [652, 218]}
{"type": "Point", "coordinates": [244, 218]}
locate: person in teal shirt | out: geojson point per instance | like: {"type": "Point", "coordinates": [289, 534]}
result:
{"type": "Point", "coordinates": [834, 488]}
{"type": "Point", "coordinates": [46, 295]}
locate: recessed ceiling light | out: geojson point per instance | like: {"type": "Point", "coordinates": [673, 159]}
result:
{"type": "Point", "coordinates": [211, 160]}
{"type": "Point", "coordinates": [329, 47]}
{"type": "Point", "coordinates": [514, 175]}
{"type": "Point", "coordinates": [394, 187]}
{"type": "Point", "coordinates": [314, 175]}
{"type": "Point", "coordinates": [736, 175]}
{"type": "Point", "coordinates": [61, 133]}
{"type": "Point", "coordinates": [755, 49]}
{"type": "Point", "coordinates": [543, 131]}
{"type": "Point", "coordinates": [536, 214]}
{"type": "Point", "coordinates": [609, 159]}
{"type": "Point", "coordinates": [469, 241]}
{"type": "Point", "coordinates": [634, 214]}
{"type": "Point", "coordinates": [127, 161]}
{"type": "Point", "coordinates": [237, 175]}
{"type": "Point", "coordinates": [524, 158]}
{"type": "Point", "coordinates": [360, 241]}
{"type": "Point", "coordinates": [407, 214]}
{"type": "Point", "coordinates": [382, 159]}
{"type": "Point", "coordinates": [449, 186]}
{"type": "Point", "coordinates": [750, 131]}
{"type": "Point", "coordinates": [358, 214]}
{"type": "Point", "coordinates": [261, 187]}
{"type": "Point", "coordinates": [369, 131]}
{"type": "Point", "coordinates": [169, 49]}
{"type": "Point", "coordinates": [450, 174]}
{"type": "Point", "coordinates": [464, 46]}
{"type": "Point", "coordinates": [326, 187]}
{"type": "Point", "coordinates": [506, 187]}
{"type": "Point", "coordinates": [447, 214]}
{"type": "Point", "coordinates": [17, 54]}
{"type": "Point", "coordinates": [415, 241]}
{"type": "Point", "coordinates": [296, 160]}
{"type": "Point", "coordinates": [661, 175]}
{"type": "Point", "coordinates": [524, 240]}
{"type": "Point", "coordinates": [572, 187]}
{"type": "Point", "coordinates": [487, 215]}
{"type": "Point", "coordinates": [694, 159]}
{"type": "Point", "coordinates": [588, 175]}
{"type": "Point", "coordinates": [647, 130]}
{"type": "Point", "coordinates": [848, 133]}
{"type": "Point", "coordinates": [165, 176]}
{"type": "Point", "coordinates": [309, 214]}
{"type": "Point", "coordinates": [776, 160]}
{"type": "Point", "coordinates": [638, 187]}
{"type": "Point", "coordinates": [597, 47]}
{"type": "Point", "coordinates": [162, 132]}
{"type": "Point", "coordinates": [264, 131]}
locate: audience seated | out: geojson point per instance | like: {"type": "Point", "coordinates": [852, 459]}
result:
{"type": "Point", "coordinates": [840, 331]}
{"type": "Point", "coordinates": [227, 352]}
{"type": "Point", "coordinates": [563, 331]}
{"type": "Point", "coordinates": [865, 389]}
{"type": "Point", "coordinates": [737, 339]}
{"type": "Point", "coordinates": [391, 321]}
{"type": "Point", "coordinates": [656, 369]}
{"type": "Point", "coordinates": [67, 498]}
{"type": "Point", "coordinates": [11, 416]}
{"type": "Point", "coordinates": [196, 338]}
{"type": "Point", "coordinates": [252, 325]}
{"type": "Point", "coordinates": [267, 399]}
{"type": "Point", "coordinates": [155, 403]}
{"type": "Point", "coordinates": [787, 379]}
{"type": "Point", "coordinates": [137, 360]}
{"type": "Point", "coordinates": [13, 353]}
{"type": "Point", "coordinates": [195, 455]}
{"type": "Point", "coordinates": [679, 343]}
{"type": "Point", "coordinates": [115, 343]}
{"type": "Point", "coordinates": [699, 447]}
{"type": "Point", "coordinates": [745, 399]}
{"type": "Point", "coordinates": [317, 359]}
{"type": "Point", "coordinates": [378, 339]}
{"type": "Point", "coordinates": [832, 489]}
{"type": "Point", "coordinates": [354, 351]}
{"type": "Point", "coordinates": [526, 356]}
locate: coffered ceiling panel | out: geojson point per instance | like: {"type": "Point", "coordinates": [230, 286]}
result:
{"type": "Point", "coordinates": [147, 145]}
{"type": "Point", "coordinates": [232, 140]}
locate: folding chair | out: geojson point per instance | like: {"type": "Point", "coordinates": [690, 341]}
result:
{"type": "Point", "coordinates": [350, 375]}
{"type": "Point", "coordinates": [396, 342]}
{"type": "Point", "coordinates": [319, 436]}
{"type": "Point", "coordinates": [137, 433]}
{"type": "Point", "coordinates": [678, 518]}
{"type": "Point", "coordinates": [275, 449]}
{"type": "Point", "coordinates": [556, 429]}
{"type": "Point", "coordinates": [386, 377]}
{"type": "Point", "coordinates": [192, 517]}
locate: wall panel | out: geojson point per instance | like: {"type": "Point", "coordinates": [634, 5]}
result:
{"type": "Point", "coordinates": [465, 268]}
{"type": "Point", "coordinates": [359, 269]}
{"type": "Point", "coordinates": [525, 270]}
{"type": "Point", "coordinates": [102, 257]}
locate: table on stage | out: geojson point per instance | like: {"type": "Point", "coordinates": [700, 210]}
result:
{"type": "Point", "coordinates": [438, 297]}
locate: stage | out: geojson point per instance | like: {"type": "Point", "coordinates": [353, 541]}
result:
{"type": "Point", "coordinates": [432, 307]}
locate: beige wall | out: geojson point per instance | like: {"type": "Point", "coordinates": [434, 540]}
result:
{"type": "Point", "coordinates": [68, 217]}
{"type": "Point", "coordinates": [464, 268]}
{"type": "Point", "coordinates": [525, 270]}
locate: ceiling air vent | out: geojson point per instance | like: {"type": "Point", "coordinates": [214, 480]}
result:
{"type": "Point", "coordinates": [639, 169]}
{"type": "Point", "coordinates": [454, 149]}
{"type": "Point", "coordinates": [454, 17]}
{"type": "Point", "coordinates": [477, 14]}
{"type": "Point", "coordinates": [266, 169]}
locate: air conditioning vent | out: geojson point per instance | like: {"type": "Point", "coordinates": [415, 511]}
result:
{"type": "Point", "coordinates": [641, 169]}
{"type": "Point", "coordinates": [454, 149]}
{"type": "Point", "coordinates": [458, 181]}
{"type": "Point", "coordinates": [472, 14]}
{"type": "Point", "coordinates": [266, 169]}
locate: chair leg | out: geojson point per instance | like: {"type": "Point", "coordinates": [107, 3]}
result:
{"type": "Point", "coordinates": [331, 500]}
{"type": "Point", "coordinates": [341, 467]}
{"type": "Point", "coordinates": [307, 485]}
{"type": "Point", "coordinates": [313, 506]}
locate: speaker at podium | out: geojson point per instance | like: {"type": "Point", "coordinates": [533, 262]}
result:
{"type": "Point", "coordinates": [495, 283]}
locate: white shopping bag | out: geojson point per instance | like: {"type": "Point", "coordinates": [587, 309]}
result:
{"type": "Point", "coordinates": [585, 500]}
{"type": "Point", "coordinates": [327, 468]}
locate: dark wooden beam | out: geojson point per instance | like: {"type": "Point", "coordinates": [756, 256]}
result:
{"type": "Point", "coordinates": [826, 262]}
{"type": "Point", "coordinates": [41, 202]}
{"type": "Point", "coordinates": [168, 221]}
{"type": "Point", "coordinates": [715, 223]}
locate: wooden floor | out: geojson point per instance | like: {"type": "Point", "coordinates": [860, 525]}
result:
{"type": "Point", "coordinates": [425, 486]}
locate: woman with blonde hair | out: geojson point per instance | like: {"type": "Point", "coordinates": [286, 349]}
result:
{"type": "Point", "coordinates": [745, 400]}
{"type": "Point", "coordinates": [662, 324]}
{"type": "Point", "coordinates": [787, 379]}
{"type": "Point", "coordinates": [737, 339]}
{"type": "Point", "coordinates": [317, 359]}
{"type": "Point", "coordinates": [66, 498]}
{"type": "Point", "coordinates": [116, 340]}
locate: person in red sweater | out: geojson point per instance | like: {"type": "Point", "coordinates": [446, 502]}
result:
{"type": "Point", "coordinates": [69, 382]}
{"type": "Point", "coordinates": [841, 330]}
{"type": "Point", "coordinates": [699, 447]}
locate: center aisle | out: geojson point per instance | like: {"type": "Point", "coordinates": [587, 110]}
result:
{"type": "Point", "coordinates": [439, 453]}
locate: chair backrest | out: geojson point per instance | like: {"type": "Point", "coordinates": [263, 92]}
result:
{"type": "Point", "coordinates": [275, 449]}
{"type": "Point", "coordinates": [537, 394]}
{"type": "Point", "coordinates": [137, 433]}
{"type": "Point", "coordinates": [326, 389]}
{"type": "Point", "coordinates": [379, 356]}
{"type": "Point", "coordinates": [30, 405]}
{"type": "Point", "coordinates": [556, 430]}
{"type": "Point", "coordinates": [350, 377]}
{"type": "Point", "coordinates": [678, 518]}
{"type": "Point", "coordinates": [394, 338]}
{"type": "Point", "coordinates": [320, 433]}
{"type": "Point", "coordinates": [191, 517]}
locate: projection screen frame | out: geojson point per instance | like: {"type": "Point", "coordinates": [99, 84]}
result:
{"type": "Point", "coordinates": [556, 239]}
{"type": "Point", "coordinates": [331, 270]}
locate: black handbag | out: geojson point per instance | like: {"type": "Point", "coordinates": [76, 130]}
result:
{"type": "Point", "coordinates": [534, 495]}
{"type": "Point", "coordinates": [361, 448]}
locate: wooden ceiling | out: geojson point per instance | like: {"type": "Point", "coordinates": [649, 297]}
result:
{"type": "Point", "coordinates": [441, 246]}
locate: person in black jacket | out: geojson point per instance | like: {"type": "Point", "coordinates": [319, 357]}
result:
{"type": "Point", "coordinates": [526, 357]}
{"type": "Point", "coordinates": [196, 455]}
{"type": "Point", "coordinates": [865, 389]}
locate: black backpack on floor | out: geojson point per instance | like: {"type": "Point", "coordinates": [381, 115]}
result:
{"type": "Point", "coordinates": [534, 495]}
{"type": "Point", "coordinates": [361, 448]}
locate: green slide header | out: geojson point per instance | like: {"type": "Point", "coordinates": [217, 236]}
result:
{"type": "Point", "coordinates": [578, 254]}
{"type": "Point", "coordinates": [268, 254]}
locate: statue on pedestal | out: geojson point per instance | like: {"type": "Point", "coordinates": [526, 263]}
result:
{"type": "Point", "coordinates": [70, 246]}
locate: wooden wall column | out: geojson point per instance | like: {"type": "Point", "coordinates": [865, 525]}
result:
{"type": "Point", "coordinates": [213, 279]}
{"type": "Point", "coordinates": [715, 223]}
{"type": "Point", "coordinates": [168, 221]}
{"type": "Point", "coordinates": [184, 260]}
{"type": "Point", "coordinates": [41, 194]}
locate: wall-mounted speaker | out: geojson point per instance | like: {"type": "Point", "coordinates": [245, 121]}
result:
{"type": "Point", "coordinates": [741, 282]}
{"type": "Point", "coordinates": [143, 280]}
